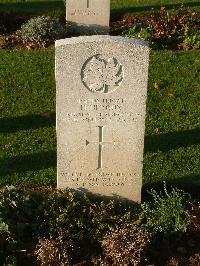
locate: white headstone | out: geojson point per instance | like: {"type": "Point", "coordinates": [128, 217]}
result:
{"type": "Point", "coordinates": [94, 14]}
{"type": "Point", "coordinates": [101, 102]}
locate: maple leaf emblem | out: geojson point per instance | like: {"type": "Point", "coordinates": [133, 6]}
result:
{"type": "Point", "coordinates": [101, 75]}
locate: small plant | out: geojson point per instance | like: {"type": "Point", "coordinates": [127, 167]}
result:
{"type": "Point", "coordinates": [42, 30]}
{"type": "Point", "coordinates": [192, 41]}
{"type": "Point", "coordinates": [167, 213]}
{"type": "Point", "coordinates": [125, 245]}
{"type": "Point", "coordinates": [137, 32]}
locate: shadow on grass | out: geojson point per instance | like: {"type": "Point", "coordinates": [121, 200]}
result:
{"type": "Point", "coordinates": [32, 7]}
{"type": "Point", "coordinates": [44, 160]}
{"type": "Point", "coordinates": [115, 13]}
{"type": "Point", "coordinates": [14, 124]}
{"type": "Point", "coordinates": [153, 143]}
{"type": "Point", "coordinates": [169, 141]}
{"type": "Point", "coordinates": [32, 162]}
{"type": "Point", "coordinates": [190, 184]}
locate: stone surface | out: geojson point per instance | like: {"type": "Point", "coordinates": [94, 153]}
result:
{"type": "Point", "coordinates": [101, 102]}
{"type": "Point", "coordinates": [93, 13]}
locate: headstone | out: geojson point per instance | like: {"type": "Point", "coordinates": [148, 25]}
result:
{"type": "Point", "coordinates": [101, 103]}
{"type": "Point", "coordinates": [89, 15]}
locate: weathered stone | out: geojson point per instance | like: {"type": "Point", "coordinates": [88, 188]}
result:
{"type": "Point", "coordinates": [101, 103]}
{"type": "Point", "coordinates": [89, 15]}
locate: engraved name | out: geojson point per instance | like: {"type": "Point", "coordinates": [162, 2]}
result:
{"type": "Point", "coordinates": [102, 110]}
{"type": "Point", "coordinates": [77, 12]}
{"type": "Point", "coordinates": [98, 179]}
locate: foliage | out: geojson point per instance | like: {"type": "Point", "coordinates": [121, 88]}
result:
{"type": "Point", "coordinates": [64, 222]}
{"type": "Point", "coordinates": [67, 227]}
{"type": "Point", "coordinates": [177, 30]}
{"type": "Point", "coordinates": [172, 28]}
{"type": "Point", "coordinates": [138, 32]}
{"type": "Point", "coordinates": [42, 30]}
{"type": "Point", "coordinates": [94, 218]}
{"type": "Point", "coordinates": [192, 41]}
{"type": "Point", "coordinates": [167, 213]}
{"type": "Point", "coordinates": [3, 227]}
{"type": "Point", "coordinates": [23, 212]}
{"type": "Point", "coordinates": [125, 245]}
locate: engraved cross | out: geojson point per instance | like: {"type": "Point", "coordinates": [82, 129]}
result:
{"type": "Point", "coordinates": [101, 143]}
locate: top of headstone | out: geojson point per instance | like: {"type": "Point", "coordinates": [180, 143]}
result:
{"type": "Point", "coordinates": [101, 38]}
{"type": "Point", "coordinates": [88, 12]}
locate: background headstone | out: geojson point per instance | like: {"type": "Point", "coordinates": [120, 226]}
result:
{"type": "Point", "coordinates": [89, 15]}
{"type": "Point", "coordinates": [101, 103]}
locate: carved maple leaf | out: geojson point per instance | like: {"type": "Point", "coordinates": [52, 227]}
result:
{"type": "Point", "coordinates": [100, 74]}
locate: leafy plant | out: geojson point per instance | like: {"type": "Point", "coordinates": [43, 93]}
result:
{"type": "Point", "coordinates": [166, 213]}
{"type": "Point", "coordinates": [22, 212]}
{"type": "Point", "coordinates": [3, 227]}
{"type": "Point", "coordinates": [42, 30]}
{"type": "Point", "coordinates": [138, 32]}
{"type": "Point", "coordinates": [192, 41]}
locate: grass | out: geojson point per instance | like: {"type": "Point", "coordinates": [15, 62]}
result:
{"type": "Point", "coordinates": [122, 7]}
{"type": "Point", "coordinates": [28, 140]}
{"type": "Point", "coordinates": [27, 107]}
{"type": "Point", "coordinates": [172, 144]}
{"type": "Point", "coordinates": [118, 7]}
{"type": "Point", "coordinates": [27, 119]}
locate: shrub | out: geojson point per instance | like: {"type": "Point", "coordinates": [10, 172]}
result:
{"type": "Point", "coordinates": [125, 245]}
{"type": "Point", "coordinates": [52, 252]}
{"type": "Point", "coordinates": [83, 219]}
{"type": "Point", "coordinates": [42, 30]}
{"type": "Point", "coordinates": [170, 29]}
{"type": "Point", "coordinates": [23, 212]}
{"type": "Point", "coordinates": [178, 29]}
{"type": "Point", "coordinates": [166, 214]}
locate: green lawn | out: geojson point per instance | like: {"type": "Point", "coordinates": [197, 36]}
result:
{"type": "Point", "coordinates": [27, 129]}
{"type": "Point", "coordinates": [118, 7]}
